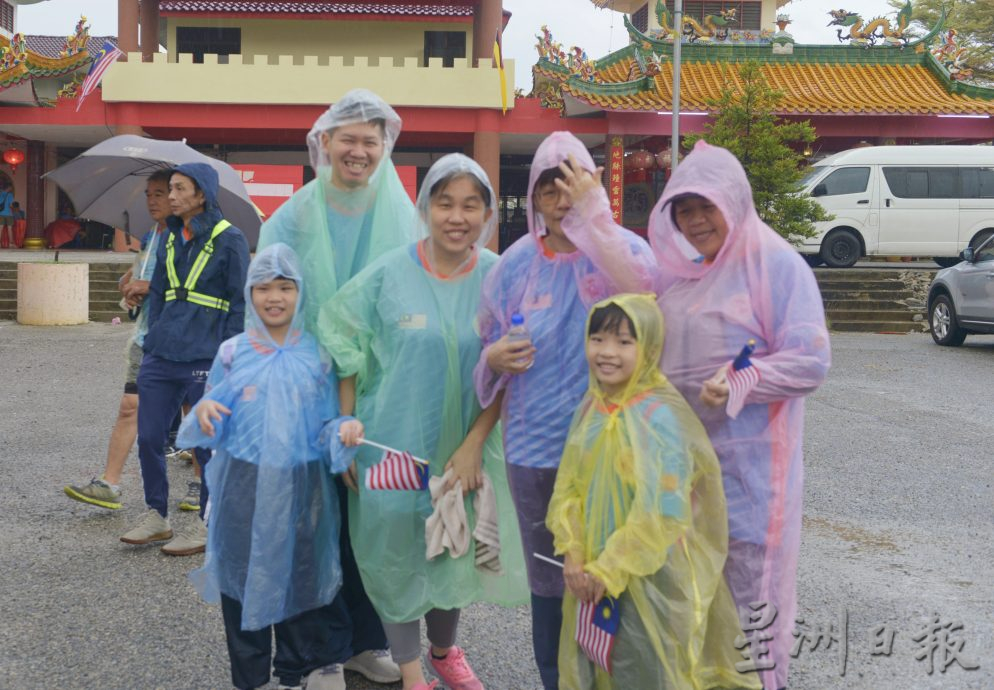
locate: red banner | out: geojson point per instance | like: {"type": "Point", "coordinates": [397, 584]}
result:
{"type": "Point", "coordinates": [270, 185]}
{"type": "Point", "coordinates": [616, 176]}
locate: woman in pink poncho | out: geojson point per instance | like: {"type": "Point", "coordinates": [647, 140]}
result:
{"type": "Point", "coordinates": [726, 278]}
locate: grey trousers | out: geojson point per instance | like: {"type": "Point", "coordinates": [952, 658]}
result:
{"type": "Point", "coordinates": [405, 638]}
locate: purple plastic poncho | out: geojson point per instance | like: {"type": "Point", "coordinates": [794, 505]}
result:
{"type": "Point", "coordinates": [553, 292]}
{"type": "Point", "coordinates": [756, 287]}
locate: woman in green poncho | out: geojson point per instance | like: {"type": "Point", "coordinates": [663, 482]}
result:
{"type": "Point", "coordinates": [403, 339]}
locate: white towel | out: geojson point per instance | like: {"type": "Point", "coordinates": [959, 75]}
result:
{"type": "Point", "coordinates": [448, 527]}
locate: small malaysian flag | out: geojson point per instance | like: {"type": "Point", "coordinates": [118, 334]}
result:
{"type": "Point", "coordinates": [397, 471]}
{"type": "Point", "coordinates": [596, 629]}
{"type": "Point", "coordinates": [101, 63]}
{"type": "Point", "coordinates": [742, 377]}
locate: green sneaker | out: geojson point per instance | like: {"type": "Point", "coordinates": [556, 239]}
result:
{"type": "Point", "coordinates": [97, 493]}
{"type": "Point", "coordinates": [192, 499]}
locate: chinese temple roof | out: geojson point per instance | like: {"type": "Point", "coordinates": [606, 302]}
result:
{"type": "Point", "coordinates": [842, 79]}
{"type": "Point", "coordinates": [451, 9]}
{"type": "Point", "coordinates": [52, 46]}
{"type": "Point", "coordinates": [29, 62]}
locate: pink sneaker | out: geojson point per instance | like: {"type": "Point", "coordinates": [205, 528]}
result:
{"type": "Point", "coordinates": [426, 686]}
{"type": "Point", "coordinates": [453, 670]}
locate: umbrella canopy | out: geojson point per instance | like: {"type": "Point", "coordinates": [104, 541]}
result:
{"type": "Point", "coordinates": [107, 183]}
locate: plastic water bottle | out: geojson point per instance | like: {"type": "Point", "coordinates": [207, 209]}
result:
{"type": "Point", "coordinates": [518, 332]}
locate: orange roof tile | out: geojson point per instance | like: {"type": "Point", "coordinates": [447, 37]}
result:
{"type": "Point", "coordinates": [809, 88]}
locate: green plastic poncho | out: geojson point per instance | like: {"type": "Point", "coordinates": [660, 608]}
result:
{"type": "Point", "coordinates": [639, 498]}
{"type": "Point", "coordinates": [410, 339]}
{"type": "Point", "coordinates": [336, 233]}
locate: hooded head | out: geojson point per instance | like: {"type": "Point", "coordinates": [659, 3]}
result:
{"type": "Point", "coordinates": [206, 179]}
{"type": "Point", "coordinates": [275, 261]}
{"type": "Point", "coordinates": [357, 107]}
{"type": "Point", "coordinates": [445, 172]}
{"type": "Point", "coordinates": [716, 175]}
{"type": "Point", "coordinates": [643, 314]}
{"type": "Point", "coordinates": [555, 149]}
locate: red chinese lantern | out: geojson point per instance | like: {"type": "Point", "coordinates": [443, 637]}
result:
{"type": "Point", "coordinates": [638, 161]}
{"type": "Point", "coordinates": [664, 158]}
{"type": "Point", "coordinates": [13, 157]}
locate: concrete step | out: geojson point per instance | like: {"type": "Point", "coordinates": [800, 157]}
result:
{"type": "Point", "coordinates": [866, 295]}
{"type": "Point", "coordinates": [879, 315]}
{"type": "Point", "coordinates": [878, 326]}
{"type": "Point", "coordinates": [876, 285]}
{"type": "Point", "coordinates": [884, 304]}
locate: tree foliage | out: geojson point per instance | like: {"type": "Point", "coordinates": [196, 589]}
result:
{"type": "Point", "coordinates": [974, 24]}
{"type": "Point", "coordinates": [746, 124]}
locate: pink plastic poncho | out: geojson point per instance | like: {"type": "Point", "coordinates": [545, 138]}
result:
{"type": "Point", "coordinates": [757, 287]}
{"type": "Point", "coordinates": [553, 292]}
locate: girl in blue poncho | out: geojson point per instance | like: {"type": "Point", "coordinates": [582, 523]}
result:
{"type": "Point", "coordinates": [272, 544]}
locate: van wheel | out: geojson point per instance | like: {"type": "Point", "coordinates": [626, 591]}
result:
{"type": "Point", "coordinates": [946, 261]}
{"type": "Point", "coordinates": [942, 319]}
{"type": "Point", "coordinates": [840, 249]}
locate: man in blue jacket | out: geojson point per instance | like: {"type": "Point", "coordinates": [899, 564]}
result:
{"type": "Point", "coordinates": [195, 302]}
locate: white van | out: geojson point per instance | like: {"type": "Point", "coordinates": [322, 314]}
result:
{"type": "Point", "coordinates": [925, 201]}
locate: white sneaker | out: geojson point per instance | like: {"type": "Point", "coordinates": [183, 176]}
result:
{"type": "Point", "coordinates": [328, 678]}
{"type": "Point", "coordinates": [375, 664]}
{"type": "Point", "coordinates": [189, 540]}
{"type": "Point", "coordinates": [153, 527]}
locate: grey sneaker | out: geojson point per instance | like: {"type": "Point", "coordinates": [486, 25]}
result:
{"type": "Point", "coordinates": [328, 678]}
{"type": "Point", "coordinates": [375, 664]}
{"type": "Point", "coordinates": [178, 454]}
{"type": "Point", "coordinates": [189, 540]}
{"type": "Point", "coordinates": [97, 493]}
{"type": "Point", "coordinates": [153, 527]}
{"type": "Point", "coordinates": [192, 499]}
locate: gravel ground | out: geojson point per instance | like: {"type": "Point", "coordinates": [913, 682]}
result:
{"type": "Point", "coordinates": [898, 526]}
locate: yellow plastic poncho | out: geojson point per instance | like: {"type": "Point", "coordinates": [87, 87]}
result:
{"type": "Point", "coordinates": [639, 498]}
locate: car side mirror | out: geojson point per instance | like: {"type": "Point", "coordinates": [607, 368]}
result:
{"type": "Point", "coordinates": [967, 255]}
{"type": "Point", "coordinates": [820, 190]}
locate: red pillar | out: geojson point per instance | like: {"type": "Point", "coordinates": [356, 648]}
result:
{"type": "Point", "coordinates": [34, 238]}
{"type": "Point", "coordinates": [127, 41]}
{"type": "Point", "coordinates": [486, 138]}
{"type": "Point", "coordinates": [149, 15]}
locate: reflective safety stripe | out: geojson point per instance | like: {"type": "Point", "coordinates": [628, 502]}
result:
{"type": "Point", "coordinates": [186, 293]}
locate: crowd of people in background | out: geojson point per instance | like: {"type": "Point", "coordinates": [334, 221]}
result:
{"type": "Point", "coordinates": [394, 423]}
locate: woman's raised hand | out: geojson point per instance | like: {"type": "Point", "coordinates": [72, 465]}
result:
{"type": "Point", "coordinates": [578, 182]}
{"type": "Point", "coordinates": [511, 356]}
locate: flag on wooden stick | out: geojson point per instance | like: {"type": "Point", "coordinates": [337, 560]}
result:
{"type": "Point", "coordinates": [499, 59]}
{"type": "Point", "coordinates": [742, 377]}
{"type": "Point", "coordinates": [398, 471]}
{"type": "Point", "coordinates": [596, 629]}
{"type": "Point", "coordinates": [101, 63]}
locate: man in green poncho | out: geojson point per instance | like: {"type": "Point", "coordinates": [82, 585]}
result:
{"type": "Point", "coordinates": [355, 210]}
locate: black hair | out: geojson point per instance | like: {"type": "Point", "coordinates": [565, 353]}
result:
{"type": "Point", "coordinates": [608, 319]}
{"type": "Point", "coordinates": [161, 175]}
{"type": "Point", "coordinates": [549, 176]}
{"type": "Point", "coordinates": [196, 185]}
{"type": "Point", "coordinates": [380, 123]}
{"type": "Point", "coordinates": [443, 183]}
{"type": "Point", "coordinates": [677, 199]}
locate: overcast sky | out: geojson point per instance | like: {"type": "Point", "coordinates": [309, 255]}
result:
{"type": "Point", "coordinates": [572, 22]}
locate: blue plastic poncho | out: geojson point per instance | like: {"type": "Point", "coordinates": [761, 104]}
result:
{"type": "Point", "coordinates": [409, 337]}
{"type": "Point", "coordinates": [273, 518]}
{"type": "Point", "coordinates": [335, 232]}
{"type": "Point", "coordinates": [638, 499]}
{"type": "Point", "coordinates": [553, 292]}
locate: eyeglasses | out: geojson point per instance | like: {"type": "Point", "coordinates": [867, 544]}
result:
{"type": "Point", "coordinates": [550, 194]}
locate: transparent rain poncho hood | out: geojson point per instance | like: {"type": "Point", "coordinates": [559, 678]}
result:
{"type": "Point", "coordinates": [409, 338]}
{"type": "Point", "coordinates": [273, 519]}
{"type": "Point", "coordinates": [446, 170]}
{"type": "Point", "coordinates": [757, 287]}
{"type": "Point", "coordinates": [553, 292]}
{"type": "Point", "coordinates": [638, 497]}
{"type": "Point", "coordinates": [337, 232]}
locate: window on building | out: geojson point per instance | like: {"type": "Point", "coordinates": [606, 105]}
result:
{"type": "Point", "coordinates": [978, 183]}
{"type": "Point", "coordinates": [747, 12]}
{"type": "Point", "coordinates": [208, 39]}
{"type": "Point", "coordinates": [923, 183]}
{"type": "Point", "coordinates": [447, 45]}
{"type": "Point", "coordinates": [640, 19]}
{"type": "Point", "coordinates": [846, 181]}
{"type": "Point", "coordinates": [6, 16]}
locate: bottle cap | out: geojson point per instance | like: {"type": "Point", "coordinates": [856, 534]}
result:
{"type": "Point", "coordinates": [517, 319]}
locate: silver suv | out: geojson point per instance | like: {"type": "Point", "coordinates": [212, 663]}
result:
{"type": "Point", "coordinates": [961, 298]}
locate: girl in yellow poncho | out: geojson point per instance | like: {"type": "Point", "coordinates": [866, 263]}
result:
{"type": "Point", "coordinates": [639, 512]}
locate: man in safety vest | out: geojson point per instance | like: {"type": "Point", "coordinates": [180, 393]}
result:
{"type": "Point", "coordinates": [195, 302]}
